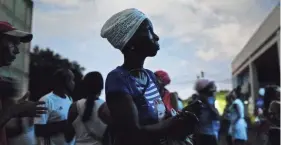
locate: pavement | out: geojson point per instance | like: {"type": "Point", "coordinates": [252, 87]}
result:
{"type": "Point", "coordinates": [252, 139]}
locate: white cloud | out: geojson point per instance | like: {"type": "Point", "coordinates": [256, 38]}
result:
{"type": "Point", "coordinates": [215, 29]}
{"type": "Point", "coordinates": [207, 55]}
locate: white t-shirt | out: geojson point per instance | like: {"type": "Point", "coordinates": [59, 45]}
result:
{"type": "Point", "coordinates": [95, 125]}
{"type": "Point", "coordinates": [57, 111]}
{"type": "Point", "coordinates": [27, 137]}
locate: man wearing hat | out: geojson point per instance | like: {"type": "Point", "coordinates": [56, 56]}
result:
{"type": "Point", "coordinates": [10, 38]}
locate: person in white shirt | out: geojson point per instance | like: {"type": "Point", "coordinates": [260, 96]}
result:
{"type": "Point", "coordinates": [85, 116]}
{"type": "Point", "coordinates": [51, 126]}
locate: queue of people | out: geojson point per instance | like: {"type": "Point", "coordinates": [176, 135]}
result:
{"type": "Point", "coordinates": [139, 109]}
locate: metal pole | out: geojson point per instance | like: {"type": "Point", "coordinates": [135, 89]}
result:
{"type": "Point", "coordinates": [202, 74]}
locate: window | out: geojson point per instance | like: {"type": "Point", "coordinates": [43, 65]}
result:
{"type": "Point", "coordinates": [20, 9]}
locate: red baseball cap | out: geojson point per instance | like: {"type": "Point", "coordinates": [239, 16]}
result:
{"type": "Point", "coordinates": [163, 76]}
{"type": "Point", "coordinates": [7, 29]}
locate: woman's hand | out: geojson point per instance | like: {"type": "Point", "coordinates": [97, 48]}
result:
{"type": "Point", "coordinates": [195, 107]}
{"type": "Point", "coordinates": [27, 108]}
{"type": "Point", "coordinates": [184, 124]}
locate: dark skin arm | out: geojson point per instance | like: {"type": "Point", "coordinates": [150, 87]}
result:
{"type": "Point", "coordinates": [125, 115]}
{"type": "Point", "coordinates": [174, 101]}
{"type": "Point", "coordinates": [72, 115]}
{"type": "Point", "coordinates": [15, 130]}
{"type": "Point", "coordinates": [50, 129]}
{"type": "Point", "coordinates": [104, 114]}
{"type": "Point", "coordinates": [21, 109]}
{"type": "Point", "coordinates": [5, 116]}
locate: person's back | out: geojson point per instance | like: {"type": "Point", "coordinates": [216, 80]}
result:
{"type": "Point", "coordinates": [85, 119]}
{"type": "Point", "coordinates": [94, 124]}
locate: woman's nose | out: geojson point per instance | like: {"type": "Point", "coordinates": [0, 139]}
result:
{"type": "Point", "coordinates": [156, 37]}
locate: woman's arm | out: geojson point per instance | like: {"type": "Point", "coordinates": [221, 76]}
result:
{"type": "Point", "coordinates": [174, 101]}
{"type": "Point", "coordinates": [125, 116]}
{"type": "Point", "coordinates": [72, 115]}
{"type": "Point", "coordinates": [104, 114]}
{"type": "Point", "coordinates": [14, 127]}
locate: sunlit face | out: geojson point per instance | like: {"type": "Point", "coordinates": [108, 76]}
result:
{"type": "Point", "coordinates": [8, 49]}
{"type": "Point", "coordinates": [145, 41]}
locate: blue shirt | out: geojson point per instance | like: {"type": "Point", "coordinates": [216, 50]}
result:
{"type": "Point", "coordinates": [238, 130]}
{"type": "Point", "coordinates": [208, 124]}
{"type": "Point", "coordinates": [150, 106]}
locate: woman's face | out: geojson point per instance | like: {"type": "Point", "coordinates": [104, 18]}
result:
{"type": "Point", "coordinates": [145, 41]}
{"type": "Point", "coordinates": [8, 50]}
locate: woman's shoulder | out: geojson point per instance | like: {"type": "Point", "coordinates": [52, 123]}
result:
{"type": "Point", "coordinates": [238, 101]}
{"type": "Point", "coordinates": [116, 73]}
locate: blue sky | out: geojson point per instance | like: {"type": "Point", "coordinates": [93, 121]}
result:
{"type": "Point", "coordinates": [194, 35]}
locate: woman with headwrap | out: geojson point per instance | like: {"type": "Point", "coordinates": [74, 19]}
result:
{"type": "Point", "coordinates": [209, 119]}
{"type": "Point", "coordinates": [132, 96]}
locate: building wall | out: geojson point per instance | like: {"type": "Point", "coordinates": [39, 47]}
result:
{"type": "Point", "coordinates": [267, 35]}
{"type": "Point", "coordinates": [268, 28]}
{"type": "Point", "coordinates": [19, 14]}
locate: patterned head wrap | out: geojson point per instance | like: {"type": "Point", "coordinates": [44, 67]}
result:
{"type": "Point", "coordinates": [120, 28]}
{"type": "Point", "coordinates": [163, 76]}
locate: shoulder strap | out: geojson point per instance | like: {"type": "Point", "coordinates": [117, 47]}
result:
{"type": "Point", "coordinates": [153, 77]}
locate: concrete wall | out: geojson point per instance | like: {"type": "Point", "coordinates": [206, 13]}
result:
{"type": "Point", "coordinates": [19, 14]}
{"type": "Point", "coordinates": [266, 36]}
{"type": "Point", "coordinates": [268, 28]}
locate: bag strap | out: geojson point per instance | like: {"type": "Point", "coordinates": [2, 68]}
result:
{"type": "Point", "coordinates": [147, 83]}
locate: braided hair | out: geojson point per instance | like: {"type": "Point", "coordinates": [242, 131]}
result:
{"type": "Point", "coordinates": [92, 85]}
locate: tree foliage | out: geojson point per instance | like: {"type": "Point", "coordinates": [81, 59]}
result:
{"type": "Point", "coordinates": [43, 63]}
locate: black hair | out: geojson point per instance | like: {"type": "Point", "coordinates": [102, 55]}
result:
{"type": "Point", "coordinates": [208, 89]}
{"type": "Point", "coordinates": [92, 85]}
{"type": "Point", "coordinates": [238, 92]}
{"type": "Point", "coordinates": [60, 76]}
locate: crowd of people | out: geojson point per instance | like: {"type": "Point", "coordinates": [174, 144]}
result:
{"type": "Point", "coordinates": [139, 109]}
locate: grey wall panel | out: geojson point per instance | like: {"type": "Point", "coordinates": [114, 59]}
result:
{"type": "Point", "coordinates": [267, 29]}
